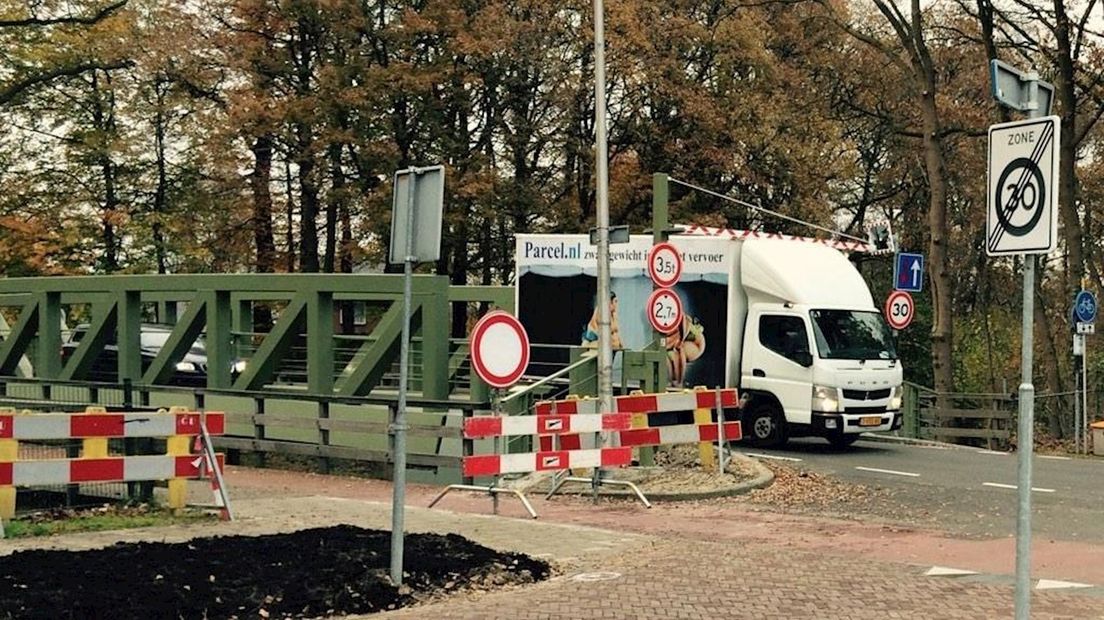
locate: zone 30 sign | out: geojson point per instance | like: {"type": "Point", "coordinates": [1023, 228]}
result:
{"type": "Point", "coordinates": [1022, 205]}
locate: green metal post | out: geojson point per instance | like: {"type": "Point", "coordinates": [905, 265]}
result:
{"type": "Point", "coordinates": [435, 339]}
{"type": "Point", "coordinates": [218, 338]}
{"type": "Point", "coordinates": [660, 225]}
{"type": "Point", "coordinates": [48, 356]}
{"type": "Point", "coordinates": [243, 328]}
{"type": "Point", "coordinates": [584, 379]}
{"type": "Point", "coordinates": [320, 343]}
{"type": "Point", "coordinates": [128, 324]}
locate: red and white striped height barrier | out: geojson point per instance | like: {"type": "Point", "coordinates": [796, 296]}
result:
{"type": "Point", "coordinates": [111, 469]}
{"type": "Point", "coordinates": [683, 433]}
{"type": "Point", "coordinates": [501, 426]}
{"type": "Point", "coordinates": [644, 403]}
{"type": "Point", "coordinates": [41, 426]}
{"type": "Point", "coordinates": [497, 464]}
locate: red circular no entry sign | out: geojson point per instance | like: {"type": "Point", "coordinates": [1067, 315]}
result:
{"type": "Point", "coordinates": [499, 349]}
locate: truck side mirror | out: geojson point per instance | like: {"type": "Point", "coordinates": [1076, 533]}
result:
{"type": "Point", "coordinates": [804, 358]}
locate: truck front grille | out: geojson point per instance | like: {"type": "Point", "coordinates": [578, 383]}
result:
{"type": "Point", "coordinates": [865, 395]}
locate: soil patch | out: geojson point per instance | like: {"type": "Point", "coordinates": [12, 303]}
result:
{"type": "Point", "coordinates": [799, 491]}
{"type": "Point", "coordinates": [305, 574]}
{"type": "Point", "coordinates": [678, 470]}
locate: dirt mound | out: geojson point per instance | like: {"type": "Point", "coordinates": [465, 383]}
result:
{"type": "Point", "coordinates": [325, 571]}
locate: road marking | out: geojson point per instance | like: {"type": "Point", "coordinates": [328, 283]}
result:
{"type": "Point", "coordinates": [1014, 487]}
{"type": "Point", "coordinates": [995, 452]}
{"type": "Point", "coordinates": [1052, 584]}
{"type": "Point", "coordinates": [1054, 458]}
{"type": "Point", "coordinates": [771, 456]}
{"type": "Point", "coordinates": [889, 471]}
{"type": "Point", "coordinates": [943, 571]}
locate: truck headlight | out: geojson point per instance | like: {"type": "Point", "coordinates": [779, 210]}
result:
{"type": "Point", "coordinates": [239, 366]}
{"type": "Point", "coordinates": [185, 366]}
{"type": "Point", "coordinates": [898, 396]}
{"type": "Point", "coordinates": [826, 399]}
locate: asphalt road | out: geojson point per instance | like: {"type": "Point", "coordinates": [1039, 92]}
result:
{"type": "Point", "coordinates": [967, 490]}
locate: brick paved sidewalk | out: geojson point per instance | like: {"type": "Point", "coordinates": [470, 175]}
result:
{"type": "Point", "coordinates": [695, 580]}
{"type": "Point", "coordinates": [655, 576]}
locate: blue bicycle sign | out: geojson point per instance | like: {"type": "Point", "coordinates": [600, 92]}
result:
{"type": "Point", "coordinates": [1084, 307]}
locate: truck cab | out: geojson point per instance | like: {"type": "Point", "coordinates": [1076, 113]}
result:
{"type": "Point", "coordinates": [814, 355]}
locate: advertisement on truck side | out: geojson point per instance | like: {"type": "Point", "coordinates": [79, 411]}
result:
{"type": "Point", "coordinates": [557, 304]}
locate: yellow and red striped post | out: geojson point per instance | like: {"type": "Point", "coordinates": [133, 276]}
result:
{"type": "Point", "coordinates": [178, 445]}
{"type": "Point", "coordinates": [9, 453]}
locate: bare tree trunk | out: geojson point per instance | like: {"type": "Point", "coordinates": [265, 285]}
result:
{"type": "Point", "coordinates": [333, 206]}
{"type": "Point", "coordinates": [103, 116]}
{"type": "Point", "coordinates": [260, 184]}
{"type": "Point", "coordinates": [1067, 178]}
{"type": "Point", "coordinates": [942, 326]}
{"type": "Point", "coordinates": [290, 214]}
{"type": "Point", "coordinates": [160, 196]}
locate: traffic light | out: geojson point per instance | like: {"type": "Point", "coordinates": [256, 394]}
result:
{"type": "Point", "coordinates": [880, 237]}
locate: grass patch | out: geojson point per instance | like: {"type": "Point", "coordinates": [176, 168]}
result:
{"type": "Point", "coordinates": [107, 517]}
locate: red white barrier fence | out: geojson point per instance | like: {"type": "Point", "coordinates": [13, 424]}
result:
{"type": "Point", "coordinates": [644, 403]}
{"type": "Point", "coordinates": [498, 464]}
{"type": "Point", "coordinates": [42, 426]}
{"type": "Point", "coordinates": [95, 465]}
{"type": "Point", "coordinates": [503, 426]}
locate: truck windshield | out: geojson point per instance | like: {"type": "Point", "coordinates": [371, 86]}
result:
{"type": "Point", "coordinates": [852, 335]}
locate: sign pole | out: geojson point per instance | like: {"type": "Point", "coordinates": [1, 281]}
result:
{"type": "Point", "coordinates": [1085, 398]}
{"type": "Point", "coordinates": [1026, 435]}
{"type": "Point", "coordinates": [605, 345]}
{"type": "Point", "coordinates": [1025, 444]}
{"type": "Point", "coordinates": [1078, 351]}
{"type": "Point", "coordinates": [398, 451]}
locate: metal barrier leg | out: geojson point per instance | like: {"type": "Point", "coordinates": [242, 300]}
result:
{"type": "Point", "coordinates": [493, 491]}
{"type": "Point", "coordinates": [614, 483]}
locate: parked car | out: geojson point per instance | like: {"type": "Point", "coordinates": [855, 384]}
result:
{"type": "Point", "coordinates": [191, 370]}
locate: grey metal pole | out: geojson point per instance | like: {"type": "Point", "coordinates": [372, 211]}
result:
{"type": "Point", "coordinates": [1078, 345]}
{"type": "Point", "coordinates": [1025, 441]}
{"type": "Point", "coordinates": [1085, 396]}
{"type": "Point", "coordinates": [398, 477]}
{"type": "Point", "coordinates": [605, 345]}
{"type": "Point", "coordinates": [1025, 447]}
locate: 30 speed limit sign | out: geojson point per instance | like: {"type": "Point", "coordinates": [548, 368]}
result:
{"type": "Point", "coordinates": [899, 310]}
{"type": "Point", "coordinates": [664, 310]}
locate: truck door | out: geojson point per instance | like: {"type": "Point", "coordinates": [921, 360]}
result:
{"type": "Point", "coordinates": [778, 359]}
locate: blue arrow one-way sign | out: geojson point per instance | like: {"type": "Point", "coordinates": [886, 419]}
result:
{"type": "Point", "coordinates": [908, 272]}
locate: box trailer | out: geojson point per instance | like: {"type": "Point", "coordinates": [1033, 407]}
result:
{"type": "Point", "coordinates": [787, 320]}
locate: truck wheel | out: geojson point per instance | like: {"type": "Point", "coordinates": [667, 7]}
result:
{"type": "Point", "coordinates": [764, 426]}
{"type": "Point", "coordinates": [840, 442]}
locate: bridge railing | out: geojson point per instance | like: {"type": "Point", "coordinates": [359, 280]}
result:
{"type": "Point", "coordinates": [332, 333]}
{"type": "Point", "coordinates": [330, 432]}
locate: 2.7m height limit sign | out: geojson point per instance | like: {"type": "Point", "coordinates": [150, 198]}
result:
{"type": "Point", "coordinates": [1022, 213]}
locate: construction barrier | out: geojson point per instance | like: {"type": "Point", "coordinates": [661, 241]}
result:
{"type": "Point", "coordinates": [567, 419]}
{"type": "Point", "coordinates": [695, 405]}
{"type": "Point", "coordinates": [95, 427]}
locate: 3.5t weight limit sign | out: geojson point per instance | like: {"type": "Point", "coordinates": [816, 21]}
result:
{"type": "Point", "coordinates": [664, 264]}
{"type": "Point", "coordinates": [1022, 212]}
{"type": "Point", "coordinates": [899, 310]}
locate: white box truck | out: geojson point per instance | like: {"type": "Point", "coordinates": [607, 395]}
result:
{"type": "Point", "coordinates": [787, 320]}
